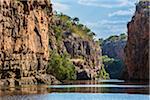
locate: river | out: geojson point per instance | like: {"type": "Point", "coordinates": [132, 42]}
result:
{"type": "Point", "coordinates": [80, 90]}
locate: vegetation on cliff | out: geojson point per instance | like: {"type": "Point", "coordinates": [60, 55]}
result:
{"type": "Point", "coordinates": [77, 41]}
{"type": "Point", "coordinates": [66, 23]}
{"type": "Point", "coordinates": [103, 74]}
{"type": "Point", "coordinates": [113, 38]}
{"type": "Point", "coordinates": [113, 54]}
{"type": "Point", "coordinates": [61, 67]}
{"type": "Point", "coordinates": [113, 66]}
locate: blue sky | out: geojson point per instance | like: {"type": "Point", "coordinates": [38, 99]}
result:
{"type": "Point", "coordinates": [104, 17]}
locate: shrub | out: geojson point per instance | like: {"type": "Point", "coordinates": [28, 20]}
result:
{"type": "Point", "coordinates": [74, 25]}
{"type": "Point", "coordinates": [113, 66]}
{"type": "Point", "coordinates": [113, 38]}
{"type": "Point", "coordinates": [103, 74]}
{"type": "Point", "coordinates": [123, 36]}
{"type": "Point", "coordinates": [61, 67]}
{"type": "Point", "coordinates": [76, 20]}
{"type": "Point", "coordinates": [106, 59]}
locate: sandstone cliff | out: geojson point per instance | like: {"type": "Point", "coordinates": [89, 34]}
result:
{"type": "Point", "coordinates": [29, 33]}
{"type": "Point", "coordinates": [137, 48]}
{"type": "Point", "coordinates": [24, 41]}
{"type": "Point", "coordinates": [72, 38]}
{"type": "Point", "coordinates": [85, 56]}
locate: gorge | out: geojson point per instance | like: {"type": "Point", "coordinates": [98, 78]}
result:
{"type": "Point", "coordinates": [28, 37]}
{"type": "Point", "coordinates": [39, 46]}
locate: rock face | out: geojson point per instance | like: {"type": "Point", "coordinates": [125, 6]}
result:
{"type": "Point", "coordinates": [114, 49]}
{"type": "Point", "coordinates": [85, 53]}
{"type": "Point", "coordinates": [24, 41]}
{"type": "Point", "coordinates": [113, 54]}
{"type": "Point", "coordinates": [137, 48]}
{"type": "Point", "coordinates": [85, 56]}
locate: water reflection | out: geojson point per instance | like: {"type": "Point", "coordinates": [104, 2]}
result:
{"type": "Point", "coordinates": [111, 80]}
{"type": "Point", "coordinates": [23, 90]}
{"type": "Point", "coordinates": [82, 87]}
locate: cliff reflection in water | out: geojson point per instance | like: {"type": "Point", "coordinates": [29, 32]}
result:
{"type": "Point", "coordinates": [110, 86]}
{"type": "Point", "coordinates": [23, 90]}
{"type": "Point", "coordinates": [79, 87]}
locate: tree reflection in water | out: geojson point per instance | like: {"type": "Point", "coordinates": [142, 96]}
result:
{"type": "Point", "coordinates": [77, 87]}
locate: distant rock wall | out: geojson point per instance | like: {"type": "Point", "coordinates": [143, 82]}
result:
{"type": "Point", "coordinates": [137, 48]}
{"type": "Point", "coordinates": [114, 49]}
{"type": "Point", "coordinates": [24, 41]}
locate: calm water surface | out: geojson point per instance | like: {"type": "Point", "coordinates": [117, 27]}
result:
{"type": "Point", "coordinates": [80, 90]}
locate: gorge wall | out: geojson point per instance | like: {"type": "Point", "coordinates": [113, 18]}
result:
{"type": "Point", "coordinates": [29, 33]}
{"type": "Point", "coordinates": [113, 54]}
{"type": "Point", "coordinates": [114, 49]}
{"type": "Point", "coordinates": [137, 48]}
{"type": "Point", "coordinates": [24, 41]}
{"type": "Point", "coordinates": [85, 55]}
{"type": "Point", "coordinates": [84, 52]}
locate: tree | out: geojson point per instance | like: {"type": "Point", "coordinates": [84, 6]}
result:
{"type": "Point", "coordinates": [113, 38]}
{"type": "Point", "coordinates": [61, 67]}
{"type": "Point", "coordinates": [103, 74]}
{"type": "Point", "coordinates": [100, 41]}
{"type": "Point", "coordinates": [76, 20]}
{"type": "Point", "coordinates": [113, 66]}
{"type": "Point", "coordinates": [123, 36]}
{"type": "Point", "coordinates": [106, 59]}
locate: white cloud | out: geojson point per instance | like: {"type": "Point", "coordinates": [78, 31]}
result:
{"type": "Point", "coordinates": [60, 7]}
{"type": "Point", "coordinates": [107, 4]}
{"type": "Point", "coordinates": [106, 27]}
{"type": "Point", "coordinates": [122, 13]}
{"type": "Point", "coordinates": [112, 22]}
{"type": "Point", "coordinates": [105, 23]}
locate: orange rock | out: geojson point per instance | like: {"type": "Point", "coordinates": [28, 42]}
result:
{"type": "Point", "coordinates": [24, 39]}
{"type": "Point", "coordinates": [137, 48]}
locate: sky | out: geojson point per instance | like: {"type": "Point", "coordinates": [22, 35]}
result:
{"type": "Point", "coordinates": [103, 17]}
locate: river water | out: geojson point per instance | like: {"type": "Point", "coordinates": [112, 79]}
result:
{"type": "Point", "coordinates": [80, 90]}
